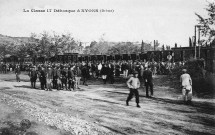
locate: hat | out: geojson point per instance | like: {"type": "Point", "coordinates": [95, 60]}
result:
{"type": "Point", "coordinates": [135, 72]}
{"type": "Point", "coordinates": [184, 70]}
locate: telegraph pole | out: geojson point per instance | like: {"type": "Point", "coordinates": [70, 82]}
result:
{"type": "Point", "coordinates": [199, 26]}
{"type": "Point", "coordinates": [195, 40]}
{"type": "Point", "coordinates": [199, 42]}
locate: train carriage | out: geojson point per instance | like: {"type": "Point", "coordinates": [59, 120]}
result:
{"type": "Point", "coordinates": [165, 54]}
{"type": "Point", "coordinates": [143, 56]}
{"type": "Point", "coordinates": [118, 57]}
{"type": "Point", "coordinates": [157, 56]}
{"type": "Point", "coordinates": [178, 55]}
{"type": "Point", "coordinates": [133, 57]}
{"type": "Point", "coordinates": [188, 54]}
{"type": "Point", "coordinates": [125, 57]}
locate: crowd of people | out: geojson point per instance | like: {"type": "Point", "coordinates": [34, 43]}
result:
{"type": "Point", "coordinates": [161, 67]}
{"type": "Point", "coordinates": [69, 75]}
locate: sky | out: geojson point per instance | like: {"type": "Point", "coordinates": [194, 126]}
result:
{"type": "Point", "coordinates": [168, 21]}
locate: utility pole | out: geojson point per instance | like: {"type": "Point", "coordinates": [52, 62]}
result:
{"type": "Point", "coordinates": [195, 40]}
{"type": "Point", "coordinates": [199, 26]}
{"type": "Point", "coordinates": [199, 42]}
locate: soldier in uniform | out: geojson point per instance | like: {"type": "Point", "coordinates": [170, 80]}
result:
{"type": "Point", "coordinates": [77, 73]}
{"type": "Point", "coordinates": [64, 78]}
{"type": "Point", "coordinates": [33, 77]}
{"type": "Point", "coordinates": [17, 72]}
{"type": "Point", "coordinates": [147, 75]}
{"type": "Point", "coordinates": [85, 74]}
{"type": "Point", "coordinates": [117, 69]}
{"type": "Point", "coordinates": [105, 72]}
{"type": "Point", "coordinates": [59, 83]}
{"type": "Point", "coordinates": [49, 78]}
{"type": "Point", "coordinates": [93, 70]}
{"type": "Point", "coordinates": [111, 74]}
{"type": "Point", "coordinates": [55, 77]}
{"type": "Point", "coordinates": [70, 79]}
{"type": "Point", "coordinates": [42, 78]}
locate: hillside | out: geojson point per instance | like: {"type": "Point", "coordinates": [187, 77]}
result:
{"type": "Point", "coordinates": [8, 39]}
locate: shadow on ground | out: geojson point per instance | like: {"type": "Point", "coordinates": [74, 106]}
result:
{"type": "Point", "coordinates": [14, 129]}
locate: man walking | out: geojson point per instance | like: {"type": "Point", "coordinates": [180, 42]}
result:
{"type": "Point", "coordinates": [186, 84]}
{"type": "Point", "coordinates": [147, 76]}
{"type": "Point", "coordinates": [133, 84]}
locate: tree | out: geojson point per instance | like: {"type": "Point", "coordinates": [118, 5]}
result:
{"type": "Point", "coordinates": [190, 42]}
{"type": "Point", "coordinates": [68, 43]}
{"type": "Point", "coordinates": [87, 50]}
{"type": "Point", "coordinates": [48, 45]}
{"type": "Point", "coordinates": [208, 23]}
{"type": "Point", "coordinates": [92, 44]}
{"type": "Point", "coordinates": [98, 48]}
{"type": "Point", "coordinates": [4, 50]}
{"type": "Point", "coordinates": [163, 48]}
{"type": "Point", "coordinates": [142, 47]}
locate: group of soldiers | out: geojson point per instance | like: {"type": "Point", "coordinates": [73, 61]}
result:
{"type": "Point", "coordinates": [68, 76]}
{"type": "Point", "coordinates": [58, 76]}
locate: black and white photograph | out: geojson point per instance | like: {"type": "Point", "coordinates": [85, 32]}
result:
{"type": "Point", "coordinates": [107, 67]}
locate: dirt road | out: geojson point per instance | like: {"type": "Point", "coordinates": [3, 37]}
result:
{"type": "Point", "coordinates": [100, 109]}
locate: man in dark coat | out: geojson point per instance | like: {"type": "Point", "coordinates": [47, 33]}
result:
{"type": "Point", "coordinates": [147, 75]}
{"type": "Point", "coordinates": [64, 77]}
{"type": "Point", "coordinates": [105, 72]}
{"type": "Point", "coordinates": [85, 74]}
{"type": "Point", "coordinates": [71, 79]}
{"type": "Point", "coordinates": [59, 78]}
{"type": "Point", "coordinates": [33, 77]}
{"type": "Point", "coordinates": [55, 77]}
{"type": "Point", "coordinates": [111, 74]}
{"type": "Point", "coordinates": [42, 78]}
